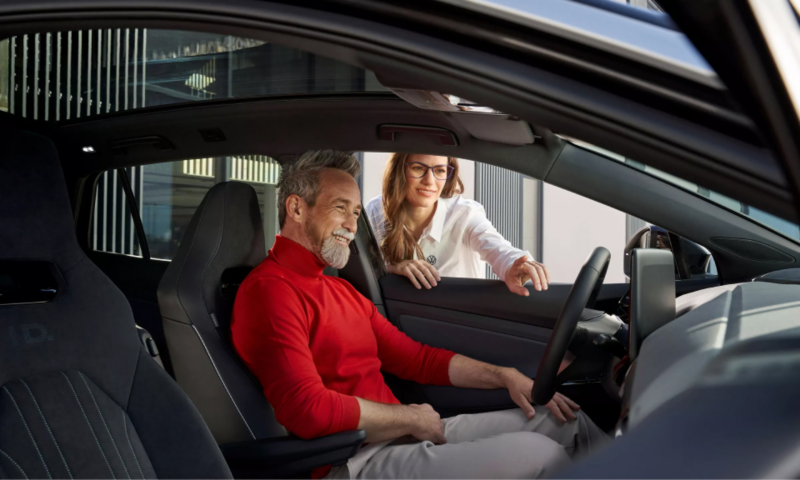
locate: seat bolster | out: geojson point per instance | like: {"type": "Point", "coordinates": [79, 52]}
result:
{"type": "Point", "coordinates": [184, 450]}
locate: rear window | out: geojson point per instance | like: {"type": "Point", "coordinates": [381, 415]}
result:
{"type": "Point", "coordinates": [58, 76]}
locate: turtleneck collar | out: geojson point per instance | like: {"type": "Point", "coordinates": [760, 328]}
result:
{"type": "Point", "coordinates": [296, 257]}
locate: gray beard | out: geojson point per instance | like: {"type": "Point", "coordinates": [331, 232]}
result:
{"type": "Point", "coordinates": [334, 254]}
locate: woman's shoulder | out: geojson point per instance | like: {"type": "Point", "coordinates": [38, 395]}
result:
{"type": "Point", "coordinates": [457, 203]}
{"type": "Point", "coordinates": [374, 206]}
{"type": "Point", "coordinates": [377, 218]}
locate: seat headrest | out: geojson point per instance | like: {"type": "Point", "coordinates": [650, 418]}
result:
{"type": "Point", "coordinates": [226, 231]}
{"type": "Point", "coordinates": [35, 212]}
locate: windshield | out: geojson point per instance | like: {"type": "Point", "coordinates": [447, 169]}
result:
{"type": "Point", "coordinates": [784, 227]}
{"type": "Point", "coordinates": [57, 76]}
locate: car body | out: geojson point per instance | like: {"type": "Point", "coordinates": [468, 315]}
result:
{"type": "Point", "coordinates": [704, 111]}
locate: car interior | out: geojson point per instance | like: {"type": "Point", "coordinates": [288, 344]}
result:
{"type": "Point", "coordinates": [92, 336]}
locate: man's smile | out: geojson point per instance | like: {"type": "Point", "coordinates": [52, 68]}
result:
{"type": "Point", "coordinates": [341, 239]}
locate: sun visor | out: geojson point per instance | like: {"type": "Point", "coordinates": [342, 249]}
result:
{"type": "Point", "coordinates": [497, 128]}
{"type": "Point", "coordinates": [482, 122]}
{"type": "Point", "coordinates": [425, 99]}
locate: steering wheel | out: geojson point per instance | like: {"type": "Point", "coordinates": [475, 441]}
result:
{"type": "Point", "coordinates": [582, 295]}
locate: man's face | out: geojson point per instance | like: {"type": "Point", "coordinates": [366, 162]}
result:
{"type": "Point", "coordinates": [331, 223]}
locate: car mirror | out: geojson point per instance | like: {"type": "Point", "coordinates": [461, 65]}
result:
{"type": "Point", "coordinates": [691, 259]}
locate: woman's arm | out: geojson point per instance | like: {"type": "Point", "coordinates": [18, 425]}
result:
{"type": "Point", "coordinates": [511, 264]}
{"type": "Point", "coordinates": [420, 272]}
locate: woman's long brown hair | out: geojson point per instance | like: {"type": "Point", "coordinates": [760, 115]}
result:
{"type": "Point", "coordinates": [399, 243]}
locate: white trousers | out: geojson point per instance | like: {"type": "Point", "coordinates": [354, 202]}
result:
{"type": "Point", "coordinates": [501, 444]}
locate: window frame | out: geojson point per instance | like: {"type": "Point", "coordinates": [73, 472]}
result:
{"type": "Point", "coordinates": [622, 161]}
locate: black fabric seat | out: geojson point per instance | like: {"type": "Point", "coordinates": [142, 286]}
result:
{"type": "Point", "coordinates": [224, 241]}
{"type": "Point", "coordinates": [79, 397]}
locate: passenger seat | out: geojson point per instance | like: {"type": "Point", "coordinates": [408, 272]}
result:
{"type": "Point", "coordinates": [80, 397]}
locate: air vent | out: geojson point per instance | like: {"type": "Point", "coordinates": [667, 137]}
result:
{"type": "Point", "coordinates": [752, 250]}
{"type": "Point", "coordinates": [789, 276]}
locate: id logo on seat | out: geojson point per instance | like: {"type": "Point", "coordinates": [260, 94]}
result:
{"type": "Point", "coordinates": [29, 334]}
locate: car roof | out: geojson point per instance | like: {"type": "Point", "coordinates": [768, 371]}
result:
{"type": "Point", "coordinates": [675, 124]}
{"type": "Point", "coordinates": [615, 30]}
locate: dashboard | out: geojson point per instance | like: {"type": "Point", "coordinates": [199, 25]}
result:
{"type": "Point", "coordinates": [674, 357]}
{"type": "Point", "coordinates": [713, 392]}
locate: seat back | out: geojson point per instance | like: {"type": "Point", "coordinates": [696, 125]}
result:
{"type": "Point", "coordinates": [79, 395]}
{"type": "Point", "coordinates": [224, 240]}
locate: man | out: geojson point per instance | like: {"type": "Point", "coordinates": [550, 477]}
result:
{"type": "Point", "coordinates": [318, 348]}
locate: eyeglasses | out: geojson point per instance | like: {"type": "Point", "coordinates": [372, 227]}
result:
{"type": "Point", "coordinates": [419, 170]}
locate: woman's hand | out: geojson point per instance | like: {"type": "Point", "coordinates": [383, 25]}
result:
{"type": "Point", "coordinates": [419, 272]}
{"type": "Point", "coordinates": [523, 270]}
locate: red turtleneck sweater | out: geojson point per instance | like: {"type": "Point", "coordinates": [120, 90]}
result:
{"type": "Point", "coordinates": [316, 344]}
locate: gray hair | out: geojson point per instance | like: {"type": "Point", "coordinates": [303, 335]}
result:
{"type": "Point", "coordinates": [302, 177]}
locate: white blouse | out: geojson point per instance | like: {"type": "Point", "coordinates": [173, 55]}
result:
{"type": "Point", "coordinates": [458, 240]}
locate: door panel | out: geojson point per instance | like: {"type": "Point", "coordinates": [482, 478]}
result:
{"type": "Point", "coordinates": [399, 312]}
{"type": "Point", "coordinates": [488, 346]}
{"type": "Point", "coordinates": [482, 320]}
{"type": "Point", "coordinates": [490, 298]}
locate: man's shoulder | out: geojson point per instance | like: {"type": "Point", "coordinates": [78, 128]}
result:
{"type": "Point", "coordinates": [268, 273]}
{"type": "Point", "coordinates": [346, 287]}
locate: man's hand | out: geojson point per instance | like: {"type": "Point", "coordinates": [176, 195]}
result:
{"type": "Point", "coordinates": [523, 270]}
{"type": "Point", "coordinates": [428, 424]}
{"type": "Point", "coordinates": [419, 272]}
{"type": "Point", "coordinates": [520, 388]}
{"type": "Point", "coordinates": [386, 422]}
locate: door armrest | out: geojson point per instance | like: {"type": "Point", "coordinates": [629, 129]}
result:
{"type": "Point", "coordinates": [283, 457]}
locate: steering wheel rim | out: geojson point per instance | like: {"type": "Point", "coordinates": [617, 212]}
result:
{"type": "Point", "coordinates": [582, 294]}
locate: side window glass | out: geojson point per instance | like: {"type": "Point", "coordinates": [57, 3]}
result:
{"type": "Point", "coordinates": [113, 228]}
{"type": "Point", "coordinates": [786, 228]}
{"type": "Point", "coordinates": [557, 227]}
{"type": "Point", "coordinates": [168, 194]}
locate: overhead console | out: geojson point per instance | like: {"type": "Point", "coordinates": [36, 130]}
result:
{"type": "Point", "coordinates": [482, 122]}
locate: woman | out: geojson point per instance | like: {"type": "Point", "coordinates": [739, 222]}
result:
{"type": "Point", "coordinates": [426, 229]}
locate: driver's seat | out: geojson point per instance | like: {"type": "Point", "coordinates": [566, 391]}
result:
{"type": "Point", "coordinates": [223, 242]}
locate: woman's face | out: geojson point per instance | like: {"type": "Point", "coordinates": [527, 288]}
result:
{"type": "Point", "coordinates": [424, 191]}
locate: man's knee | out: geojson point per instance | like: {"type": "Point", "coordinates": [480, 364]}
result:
{"type": "Point", "coordinates": [539, 456]}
